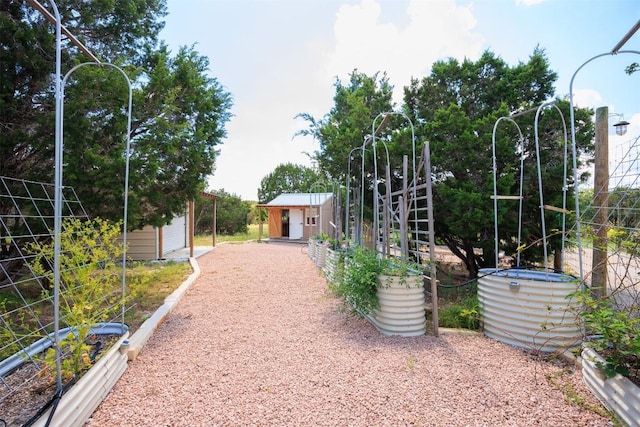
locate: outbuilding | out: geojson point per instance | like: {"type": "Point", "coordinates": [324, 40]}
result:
{"type": "Point", "coordinates": [156, 243]}
{"type": "Point", "coordinates": [299, 216]}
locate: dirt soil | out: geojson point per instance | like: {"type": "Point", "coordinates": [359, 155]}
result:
{"type": "Point", "coordinates": [257, 340]}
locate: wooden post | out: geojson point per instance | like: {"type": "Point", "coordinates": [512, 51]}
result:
{"type": "Point", "coordinates": [160, 242]}
{"type": "Point", "coordinates": [600, 204]}
{"type": "Point", "coordinates": [214, 219]}
{"type": "Point", "coordinates": [192, 224]}
{"type": "Point", "coordinates": [259, 224]}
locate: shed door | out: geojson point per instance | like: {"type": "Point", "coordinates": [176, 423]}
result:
{"type": "Point", "coordinates": [296, 219]}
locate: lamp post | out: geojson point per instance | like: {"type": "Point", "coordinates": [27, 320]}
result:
{"type": "Point", "coordinates": [621, 125]}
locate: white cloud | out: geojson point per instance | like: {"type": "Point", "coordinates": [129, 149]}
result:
{"type": "Point", "coordinates": [435, 30]}
{"type": "Point", "coordinates": [300, 79]}
{"type": "Point", "coordinates": [529, 2]}
{"type": "Point", "coordinates": [587, 98]}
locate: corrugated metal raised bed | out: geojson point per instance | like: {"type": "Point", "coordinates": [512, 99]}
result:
{"type": "Point", "coordinates": [529, 308]}
{"type": "Point", "coordinates": [619, 394]}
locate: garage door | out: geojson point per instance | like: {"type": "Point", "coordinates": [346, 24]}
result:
{"type": "Point", "coordinates": [175, 235]}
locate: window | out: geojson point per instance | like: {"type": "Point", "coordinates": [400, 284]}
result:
{"type": "Point", "coordinates": [311, 215]}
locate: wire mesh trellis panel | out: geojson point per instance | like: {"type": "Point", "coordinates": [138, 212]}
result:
{"type": "Point", "coordinates": [27, 312]}
{"type": "Point", "coordinates": [619, 214]}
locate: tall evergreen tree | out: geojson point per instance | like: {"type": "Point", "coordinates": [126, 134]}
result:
{"type": "Point", "coordinates": [179, 111]}
{"type": "Point", "coordinates": [457, 106]}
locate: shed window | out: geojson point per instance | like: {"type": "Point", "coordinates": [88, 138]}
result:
{"type": "Point", "coordinates": [310, 215]}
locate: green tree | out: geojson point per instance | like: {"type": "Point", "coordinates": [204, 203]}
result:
{"type": "Point", "coordinates": [114, 30]}
{"type": "Point", "coordinates": [348, 124]}
{"type": "Point", "coordinates": [342, 132]}
{"type": "Point", "coordinates": [179, 120]}
{"type": "Point", "coordinates": [179, 111]}
{"type": "Point", "coordinates": [233, 214]}
{"type": "Point", "coordinates": [287, 178]}
{"type": "Point", "coordinates": [456, 107]}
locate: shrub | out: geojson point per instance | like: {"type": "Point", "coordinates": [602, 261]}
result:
{"type": "Point", "coordinates": [464, 313]}
{"type": "Point", "coordinates": [359, 280]}
{"type": "Point", "coordinates": [88, 253]}
{"type": "Point", "coordinates": [615, 335]}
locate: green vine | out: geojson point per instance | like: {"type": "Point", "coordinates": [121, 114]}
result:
{"type": "Point", "coordinates": [88, 284]}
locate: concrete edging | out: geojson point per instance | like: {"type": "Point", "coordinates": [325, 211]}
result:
{"type": "Point", "coordinates": [142, 335]}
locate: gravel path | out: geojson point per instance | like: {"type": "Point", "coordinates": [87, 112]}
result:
{"type": "Point", "coordinates": [258, 341]}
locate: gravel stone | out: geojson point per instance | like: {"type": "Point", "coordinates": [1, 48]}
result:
{"type": "Point", "coordinates": [259, 341]}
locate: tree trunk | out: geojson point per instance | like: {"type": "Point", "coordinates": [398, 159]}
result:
{"type": "Point", "coordinates": [557, 260]}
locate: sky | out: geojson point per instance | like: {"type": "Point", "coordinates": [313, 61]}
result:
{"type": "Point", "coordinates": [280, 58]}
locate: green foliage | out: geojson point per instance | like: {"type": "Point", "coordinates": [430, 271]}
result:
{"type": "Point", "coordinates": [88, 253]}
{"type": "Point", "coordinates": [399, 267]}
{"type": "Point", "coordinates": [458, 105]}
{"type": "Point", "coordinates": [616, 334]}
{"type": "Point", "coordinates": [179, 112]}
{"type": "Point", "coordinates": [7, 333]}
{"type": "Point", "coordinates": [345, 127]}
{"type": "Point", "coordinates": [17, 322]}
{"type": "Point", "coordinates": [321, 237]}
{"type": "Point", "coordinates": [232, 214]}
{"type": "Point", "coordinates": [358, 281]}
{"type": "Point", "coordinates": [464, 313]}
{"type": "Point", "coordinates": [287, 178]}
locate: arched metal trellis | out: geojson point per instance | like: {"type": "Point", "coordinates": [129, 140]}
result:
{"type": "Point", "coordinates": [616, 51]}
{"type": "Point", "coordinates": [520, 197]}
{"type": "Point", "coordinates": [58, 200]}
{"type": "Point", "coordinates": [59, 156]}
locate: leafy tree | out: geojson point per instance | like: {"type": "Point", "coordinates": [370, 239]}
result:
{"type": "Point", "coordinates": [179, 111]}
{"type": "Point", "coordinates": [232, 214]}
{"type": "Point", "coordinates": [179, 121]}
{"type": "Point", "coordinates": [456, 107]}
{"type": "Point", "coordinates": [343, 131]}
{"type": "Point", "coordinates": [26, 101]}
{"type": "Point", "coordinates": [287, 178]}
{"type": "Point", "coordinates": [348, 124]}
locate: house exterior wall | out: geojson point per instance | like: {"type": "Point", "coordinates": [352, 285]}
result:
{"type": "Point", "coordinates": [142, 244]}
{"type": "Point", "coordinates": [175, 235]}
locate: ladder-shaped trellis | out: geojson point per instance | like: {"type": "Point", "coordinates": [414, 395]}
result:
{"type": "Point", "coordinates": [403, 219]}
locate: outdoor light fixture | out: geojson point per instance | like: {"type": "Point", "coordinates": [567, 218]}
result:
{"type": "Point", "coordinates": [621, 127]}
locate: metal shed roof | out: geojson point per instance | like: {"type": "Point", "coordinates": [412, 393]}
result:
{"type": "Point", "coordinates": [300, 199]}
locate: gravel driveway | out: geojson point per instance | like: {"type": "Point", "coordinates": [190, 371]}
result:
{"type": "Point", "coordinates": [258, 341]}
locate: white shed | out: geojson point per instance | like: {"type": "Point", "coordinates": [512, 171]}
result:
{"type": "Point", "coordinates": [299, 216]}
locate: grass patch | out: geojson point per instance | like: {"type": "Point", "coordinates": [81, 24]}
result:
{"type": "Point", "coordinates": [458, 305]}
{"type": "Point", "coordinates": [461, 314]}
{"type": "Point", "coordinates": [149, 284]}
{"type": "Point", "coordinates": [251, 234]}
